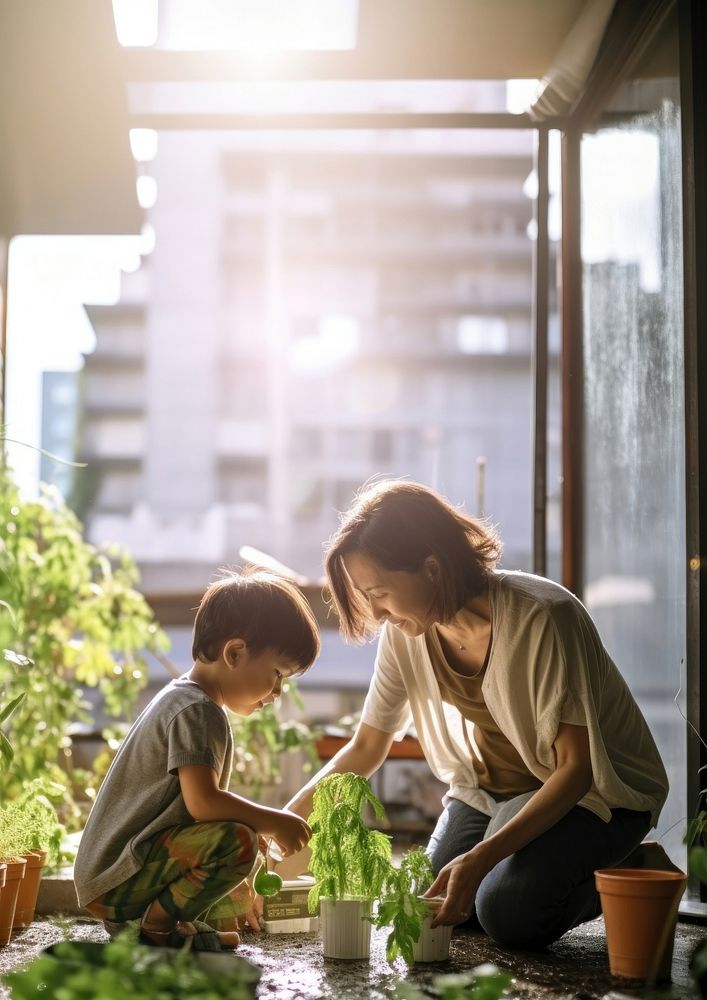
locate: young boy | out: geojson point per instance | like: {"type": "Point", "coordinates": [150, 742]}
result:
{"type": "Point", "coordinates": [166, 841]}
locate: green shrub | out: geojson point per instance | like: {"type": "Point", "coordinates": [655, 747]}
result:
{"type": "Point", "coordinates": [70, 619]}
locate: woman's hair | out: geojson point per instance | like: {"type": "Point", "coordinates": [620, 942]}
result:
{"type": "Point", "coordinates": [398, 525]}
{"type": "Point", "coordinates": [263, 609]}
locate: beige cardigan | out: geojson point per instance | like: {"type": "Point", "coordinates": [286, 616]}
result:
{"type": "Point", "coordinates": [546, 665]}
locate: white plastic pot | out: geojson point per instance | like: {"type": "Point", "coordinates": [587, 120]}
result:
{"type": "Point", "coordinates": [346, 928]}
{"type": "Point", "coordinates": [433, 943]}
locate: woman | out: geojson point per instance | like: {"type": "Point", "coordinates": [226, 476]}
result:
{"type": "Point", "coordinates": [551, 767]}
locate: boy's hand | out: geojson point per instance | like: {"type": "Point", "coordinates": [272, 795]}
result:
{"type": "Point", "coordinates": [289, 831]}
{"type": "Point", "coordinates": [248, 906]}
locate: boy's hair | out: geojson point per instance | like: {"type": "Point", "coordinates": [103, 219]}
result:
{"type": "Point", "coordinates": [399, 524]}
{"type": "Point", "coordinates": [263, 609]}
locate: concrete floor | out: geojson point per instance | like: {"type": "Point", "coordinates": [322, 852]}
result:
{"type": "Point", "coordinates": [293, 967]}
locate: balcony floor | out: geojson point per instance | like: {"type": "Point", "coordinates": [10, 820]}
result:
{"type": "Point", "coordinates": [293, 968]}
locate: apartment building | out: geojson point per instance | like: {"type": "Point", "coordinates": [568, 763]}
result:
{"type": "Point", "coordinates": [318, 309]}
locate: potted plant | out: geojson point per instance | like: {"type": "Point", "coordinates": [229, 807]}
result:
{"type": "Point", "coordinates": [410, 916]}
{"type": "Point", "coordinates": [11, 845]}
{"type": "Point", "coordinates": [350, 863]}
{"type": "Point", "coordinates": [38, 834]}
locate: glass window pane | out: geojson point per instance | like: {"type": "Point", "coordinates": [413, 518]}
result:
{"type": "Point", "coordinates": [634, 423]}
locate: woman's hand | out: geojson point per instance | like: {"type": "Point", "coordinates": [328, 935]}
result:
{"type": "Point", "coordinates": [459, 881]}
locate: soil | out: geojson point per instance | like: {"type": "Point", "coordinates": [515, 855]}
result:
{"type": "Point", "coordinates": [293, 967]}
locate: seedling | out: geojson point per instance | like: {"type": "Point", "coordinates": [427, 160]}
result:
{"type": "Point", "coordinates": [400, 906]}
{"type": "Point", "coordinates": [348, 858]}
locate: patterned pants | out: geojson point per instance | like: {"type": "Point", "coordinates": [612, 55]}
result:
{"type": "Point", "coordinates": [194, 871]}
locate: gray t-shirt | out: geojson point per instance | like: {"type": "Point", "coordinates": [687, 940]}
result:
{"type": "Point", "coordinates": [141, 794]}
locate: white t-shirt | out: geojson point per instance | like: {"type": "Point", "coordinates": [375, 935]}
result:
{"type": "Point", "coordinates": [546, 665]}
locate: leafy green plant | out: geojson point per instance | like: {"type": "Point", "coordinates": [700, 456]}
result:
{"type": "Point", "coordinates": [348, 858]}
{"type": "Point", "coordinates": [123, 967]}
{"type": "Point", "coordinates": [29, 822]}
{"type": "Point", "coordinates": [74, 621]}
{"type": "Point", "coordinates": [400, 907]}
{"type": "Point", "coordinates": [485, 982]}
{"type": "Point", "coordinates": [261, 739]}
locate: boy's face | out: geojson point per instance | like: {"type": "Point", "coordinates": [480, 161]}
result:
{"type": "Point", "coordinates": [254, 679]}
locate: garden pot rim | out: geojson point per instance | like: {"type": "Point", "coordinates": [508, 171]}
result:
{"type": "Point", "coordinates": [15, 859]}
{"type": "Point", "coordinates": [346, 899]}
{"type": "Point", "coordinates": [639, 874]}
{"type": "Point", "coordinates": [434, 902]}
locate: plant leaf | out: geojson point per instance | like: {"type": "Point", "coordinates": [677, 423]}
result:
{"type": "Point", "coordinates": [6, 750]}
{"type": "Point", "coordinates": [7, 711]}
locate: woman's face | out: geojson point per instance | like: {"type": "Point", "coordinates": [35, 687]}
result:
{"type": "Point", "coordinates": [406, 600]}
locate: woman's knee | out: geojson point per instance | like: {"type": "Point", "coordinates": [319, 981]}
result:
{"type": "Point", "coordinates": [458, 829]}
{"type": "Point", "coordinates": [514, 911]}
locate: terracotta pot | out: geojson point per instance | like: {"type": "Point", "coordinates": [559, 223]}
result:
{"type": "Point", "coordinates": [29, 889]}
{"type": "Point", "coordinates": [433, 943]}
{"type": "Point", "coordinates": [640, 912]}
{"type": "Point", "coordinates": [346, 928]}
{"type": "Point", "coordinates": [8, 896]}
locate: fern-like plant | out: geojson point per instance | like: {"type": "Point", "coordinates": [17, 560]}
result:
{"type": "Point", "coordinates": [400, 907]}
{"type": "Point", "coordinates": [29, 822]}
{"type": "Point", "coordinates": [348, 858]}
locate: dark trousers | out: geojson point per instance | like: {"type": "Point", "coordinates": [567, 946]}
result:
{"type": "Point", "coordinates": [533, 897]}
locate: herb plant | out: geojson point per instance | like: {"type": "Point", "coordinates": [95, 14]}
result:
{"type": "Point", "coordinates": [29, 822]}
{"type": "Point", "coordinates": [123, 967]}
{"type": "Point", "coordinates": [348, 858]}
{"type": "Point", "coordinates": [400, 907]}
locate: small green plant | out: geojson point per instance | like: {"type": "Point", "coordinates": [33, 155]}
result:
{"type": "Point", "coordinates": [29, 822]}
{"type": "Point", "coordinates": [348, 858]}
{"type": "Point", "coordinates": [485, 982]}
{"type": "Point", "coordinates": [83, 971]}
{"type": "Point", "coordinates": [400, 907]}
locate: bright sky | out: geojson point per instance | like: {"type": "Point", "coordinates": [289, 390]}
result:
{"type": "Point", "coordinates": [49, 279]}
